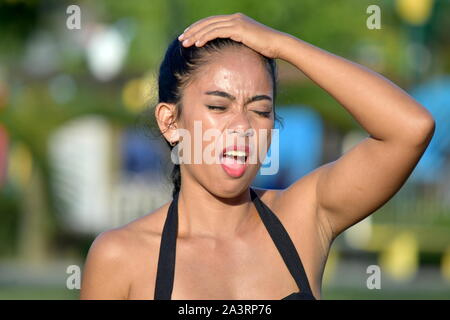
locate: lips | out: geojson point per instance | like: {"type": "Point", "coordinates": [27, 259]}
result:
{"type": "Point", "coordinates": [234, 160]}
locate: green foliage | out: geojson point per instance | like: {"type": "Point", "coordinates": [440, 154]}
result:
{"type": "Point", "coordinates": [9, 221]}
{"type": "Point", "coordinates": [339, 26]}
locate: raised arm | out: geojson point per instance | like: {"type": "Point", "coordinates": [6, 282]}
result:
{"type": "Point", "coordinates": [399, 128]}
{"type": "Point", "coordinates": [367, 176]}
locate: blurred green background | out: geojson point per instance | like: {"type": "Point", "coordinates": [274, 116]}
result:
{"type": "Point", "coordinates": [77, 147]}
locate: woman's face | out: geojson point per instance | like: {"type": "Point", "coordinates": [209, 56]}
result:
{"type": "Point", "coordinates": [227, 105]}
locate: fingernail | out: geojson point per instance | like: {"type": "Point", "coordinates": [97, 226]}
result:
{"type": "Point", "coordinates": [185, 41]}
{"type": "Point", "coordinates": [181, 37]}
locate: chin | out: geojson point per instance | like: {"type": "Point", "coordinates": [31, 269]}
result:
{"type": "Point", "coordinates": [231, 188]}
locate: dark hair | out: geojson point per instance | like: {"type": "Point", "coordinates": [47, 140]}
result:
{"type": "Point", "coordinates": [178, 69]}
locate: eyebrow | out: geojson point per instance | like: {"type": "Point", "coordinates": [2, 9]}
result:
{"type": "Point", "coordinates": [233, 98]}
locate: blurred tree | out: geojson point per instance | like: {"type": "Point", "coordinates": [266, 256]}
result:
{"type": "Point", "coordinates": [32, 114]}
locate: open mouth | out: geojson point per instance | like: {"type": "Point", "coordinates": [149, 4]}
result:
{"type": "Point", "coordinates": [240, 156]}
{"type": "Point", "coordinates": [234, 160]}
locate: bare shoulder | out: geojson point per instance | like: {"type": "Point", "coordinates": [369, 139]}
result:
{"type": "Point", "coordinates": [305, 188]}
{"type": "Point", "coordinates": [301, 190]}
{"type": "Point", "coordinates": [267, 195]}
{"type": "Point", "coordinates": [103, 276]}
{"type": "Point", "coordinates": [297, 205]}
{"type": "Point", "coordinates": [299, 201]}
{"type": "Point", "coordinates": [115, 254]}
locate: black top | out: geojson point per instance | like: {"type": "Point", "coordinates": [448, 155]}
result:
{"type": "Point", "coordinates": [279, 235]}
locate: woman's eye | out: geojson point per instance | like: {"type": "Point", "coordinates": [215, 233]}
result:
{"type": "Point", "coordinates": [265, 114]}
{"type": "Point", "coordinates": [216, 107]}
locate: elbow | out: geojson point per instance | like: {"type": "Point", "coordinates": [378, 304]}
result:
{"type": "Point", "coordinates": [423, 129]}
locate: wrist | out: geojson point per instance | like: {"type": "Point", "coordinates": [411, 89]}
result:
{"type": "Point", "coordinates": [283, 42]}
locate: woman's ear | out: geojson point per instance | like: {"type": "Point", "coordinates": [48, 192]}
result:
{"type": "Point", "coordinates": [166, 116]}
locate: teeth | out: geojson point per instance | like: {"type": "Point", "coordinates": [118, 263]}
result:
{"type": "Point", "coordinates": [235, 153]}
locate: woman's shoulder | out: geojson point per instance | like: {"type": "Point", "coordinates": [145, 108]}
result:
{"type": "Point", "coordinates": [115, 255]}
{"type": "Point", "coordinates": [297, 201]}
{"type": "Point", "coordinates": [268, 196]}
{"type": "Point", "coordinates": [301, 190]}
{"type": "Point", "coordinates": [116, 241]}
{"type": "Point", "coordinates": [151, 224]}
{"type": "Point", "coordinates": [140, 235]}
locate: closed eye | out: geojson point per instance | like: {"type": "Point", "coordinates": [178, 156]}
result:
{"type": "Point", "coordinates": [264, 113]}
{"type": "Point", "coordinates": [216, 107]}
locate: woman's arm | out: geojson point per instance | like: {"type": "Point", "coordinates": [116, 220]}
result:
{"type": "Point", "coordinates": [367, 176]}
{"type": "Point", "coordinates": [104, 273]}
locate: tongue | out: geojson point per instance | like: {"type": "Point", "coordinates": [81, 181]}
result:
{"type": "Point", "coordinates": [233, 167]}
{"type": "Point", "coordinates": [232, 162]}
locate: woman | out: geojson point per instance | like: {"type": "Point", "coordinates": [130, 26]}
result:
{"type": "Point", "coordinates": [237, 242]}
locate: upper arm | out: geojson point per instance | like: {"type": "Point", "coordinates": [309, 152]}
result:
{"type": "Point", "coordinates": [104, 272]}
{"type": "Point", "coordinates": [365, 178]}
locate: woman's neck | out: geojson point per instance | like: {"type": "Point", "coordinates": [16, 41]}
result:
{"type": "Point", "coordinates": [202, 214]}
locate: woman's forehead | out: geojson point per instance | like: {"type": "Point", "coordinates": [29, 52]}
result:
{"type": "Point", "coordinates": [237, 75]}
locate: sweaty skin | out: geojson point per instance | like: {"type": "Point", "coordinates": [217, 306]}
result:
{"type": "Point", "coordinates": [223, 250]}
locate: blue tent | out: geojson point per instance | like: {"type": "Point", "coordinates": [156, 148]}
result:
{"type": "Point", "coordinates": [141, 153]}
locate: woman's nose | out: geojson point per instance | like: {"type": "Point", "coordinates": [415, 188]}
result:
{"type": "Point", "coordinates": [249, 132]}
{"type": "Point", "coordinates": [240, 123]}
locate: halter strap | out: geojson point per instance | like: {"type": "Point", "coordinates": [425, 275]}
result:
{"type": "Point", "coordinates": [279, 235]}
{"type": "Point", "coordinates": [283, 243]}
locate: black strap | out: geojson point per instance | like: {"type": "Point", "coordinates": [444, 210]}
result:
{"type": "Point", "coordinates": [279, 235]}
{"type": "Point", "coordinates": [167, 252]}
{"type": "Point", "coordinates": [283, 243]}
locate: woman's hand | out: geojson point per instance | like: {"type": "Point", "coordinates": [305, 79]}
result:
{"type": "Point", "coordinates": [237, 27]}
